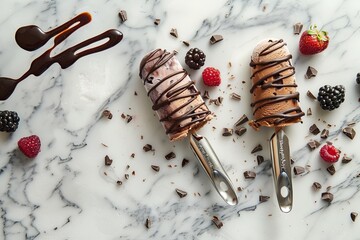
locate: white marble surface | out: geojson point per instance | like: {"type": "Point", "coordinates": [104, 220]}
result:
{"type": "Point", "coordinates": [64, 194]}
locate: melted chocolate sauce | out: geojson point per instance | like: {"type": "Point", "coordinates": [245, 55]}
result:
{"type": "Point", "coordinates": [275, 80]}
{"type": "Point", "coordinates": [173, 92]}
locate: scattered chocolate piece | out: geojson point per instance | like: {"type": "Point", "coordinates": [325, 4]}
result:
{"type": "Point", "coordinates": [123, 15]}
{"type": "Point", "coordinates": [148, 223]}
{"type": "Point", "coordinates": [235, 96]}
{"type": "Point", "coordinates": [133, 173]}
{"type": "Point", "coordinates": [108, 161]}
{"type": "Point", "coordinates": [327, 197]}
{"type": "Point", "coordinates": [310, 95]}
{"type": "Point", "coordinates": [123, 116]}
{"type": "Point", "coordinates": [243, 119]}
{"type": "Point", "coordinates": [257, 148]}
{"type": "Point", "coordinates": [217, 222]}
{"type": "Point", "coordinates": [155, 168]}
{"type": "Point", "coordinates": [127, 167]}
{"type": "Point", "coordinates": [181, 193]}
{"type": "Point", "coordinates": [104, 144]}
{"type": "Point", "coordinates": [239, 189]}
{"type": "Point", "coordinates": [346, 159]}
{"type": "Point", "coordinates": [170, 155]}
{"type": "Point", "coordinates": [206, 95]}
{"type": "Point", "coordinates": [186, 43]}
{"type": "Point", "coordinates": [314, 129]}
{"type": "Point", "coordinates": [107, 114]}
{"type": "Point", "coordinates": [263, 198]}
{"type": "Point", "coordinates": [260, 159]}
{"type": "Point", "coordinates": [312, 144]}
{"type": "Point", "coordinates": [353, 216]}
{"type": "Point", "coordinates": [118, 182]}
{"type": "Point", "coordinates": [216, 38]}
{"type": "Point", "coordinates": [157, 21]}
{"type": "Point", "coordinates": [240, 131]}
{"type": "Point", "coordinates": [135, 93]}
{"type": "Point", "coordinates": [249, 175]}
{"type": "Point", "coordinates": [297, 28]}
{"type": "Point", "coordinates": [349, 132]}
{"type": "Point", "coordinates": [126, 176]}
{"type": "Point", "coordinates": [173, 32]}
{"type": "Point", "coordinates": [227, 132]}
{"type": "Point", "coordinates": [324, 133]}
{"type": "Point", "coordinates": [331, 169]}
{"type": "Point", "coordinates": [311, 72]}
{"type": "Point", "coordinates": [184, 162]}
{"type": "Point", "coordinates": [128, 118]}
{"type": "Point", "coordinates": [351, 123]}
{"type": "Point", "coordinates": [316, 186]}
{"type": "Point", "coordinates": [132, 155]}
{"type": "Point", "coordinates": [298, 170]}
{"type": "Point", "coordinates": [292, 161]}
{"type": "Point", "coordinates": [220, 100]}
{"type": "Point", "coordinates": [309, 112]}
{"type": "Point", "coordinates": [147, 147]}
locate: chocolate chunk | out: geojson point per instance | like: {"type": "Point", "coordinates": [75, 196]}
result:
{"type": "Point", "coordinates": [316, 186]}
{"type": "Point", "coordinates": [257, 148]}
{"type": "Point", "coordinates": [148, 223]}
{"type": "Point", "coordinates": [147, 147]}
{"type": "Point", "coordinates": [181, 193]}
{"type": "Point", "coordinates": [263, 198]}
{"type": "Point", "coordinates": [240, 131]}
{"type": "Point", "coordinates": [243, 119]}
{"type": "Point", "coordinates": [186, 43]}
{"type": "Point", "coordinates": [312, 144]}
{"type": "Point", "coordinates": [346, 159]}
{"type": "Point", "coordinates": [260, 159]}
{"type": "Point", "coordinates": [324, 133]}
{"type": "Point", "coordinates": [217, 222]}
{"type": "Point", "coordinates": [235, 96]}
{"type": "Point", "coordinates": [310, 95]}
{"type": "Point", "coordinates": [249, 175]}
{"type": "Point", "coordinates": [216, 38]}
{"type": "Point", "coordinates": [155, 168]}
{"type": "Point", "coordinates": [310, 72]}
{"type": "Point", "coordinates": [331, 169]}
{"type": "Point", "coordinates": [173, 32]}
{"type": "Point", "coordinates": [132, 155]}
{"type": "Point", "coordinates": [292, 161]}
{"type": "Point", "coordinates": [107, 114]}
{"type": "Point", "coordinates": [297, 28]}
{"type": "Point", "coordinates": [353, 216]}
{"type": "Point", "coordinates": [206, 95]}
{"type": "Point", "coordinates": [128, 118]}
{"type": "Point", "coordinates": [126, 176]}
{"type": "Point", "coordinates": [157, 21]}
{"type": "Point", "coordinates": [239, 189]}
{"type": "Point", "coordinates": [135, 93]}
{"type": "Point", "coordinates": [309, 112]}
{"type": "Point", "coordinates": [170, 155]}
{"type": "Point", "coordinates": [227, 132]}
{"type": "Point", "coordinates": [220, 100]}
{"type": "Point", "coordinates": [327, 197]}
{"type": "Point", "coordinates": [123, 15]}
{"type": "Point", "coordinates": [349, 132]}
{"type": "Point", "coordinates": [184, 162]}
{"type": "Point", "coordinates": [314, 129]}
{"type": "Point", "coordinates": [118, 182]}
{"type": "Point", "coordinates": [298, 170]}
{"type": "Point", "coordinates": [108, 161]}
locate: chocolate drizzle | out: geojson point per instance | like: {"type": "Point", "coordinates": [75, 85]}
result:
{"type": "Point", "coordinates": [176, 90]}
{"type": "Point", "coordinates": [275, 80]}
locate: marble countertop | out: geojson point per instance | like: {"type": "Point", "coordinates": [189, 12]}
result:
{"type": "Point", "coordinates": [67, 192]}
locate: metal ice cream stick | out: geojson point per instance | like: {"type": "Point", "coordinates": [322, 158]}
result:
{"type": "Point", "coordinates": [213, 168]}
{"type": "Point", "coordinates": [280, 158]}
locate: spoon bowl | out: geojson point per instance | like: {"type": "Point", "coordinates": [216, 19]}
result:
{"type": "Point", "coordinates": [7, 87]}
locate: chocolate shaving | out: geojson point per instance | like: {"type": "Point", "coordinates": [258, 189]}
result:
{"type": "Point", "coordinates": [126, 176]}
{"type": "Point", "coordinates": [331, 169]}
{"type": "Point", "coordinates": [257, 148]}
{"type": "Point", "coordinates": [133, 173]}
{"type": "Point", "coordinates": [324, 133]}
{"type": "Point", "coordinates": [314, 129]}
{"type": "Point", "coordinates": [170, 155]}
{"type": "Point", "coordinates": [243, 119]}
{"type": "Point", "coordinates": [346, 159]}
{"type": "Point", "coordinates": [240, 131]}
{"type": "Point", "coordinates": [186, 43]}
{"type": "Point", "coordinates": [155, 168]}
{"type": "Point", "coordinates": [310, 72]}
{"type": "Point", "coordinates": [184, 162]}
{"type": "Point", "coordinates": [316, 186]}
{"type": "Point", "coordinates": [108, 161]}
{"type": "Point", "coordinates": [349, 132]}
{"type": "Point", "coordinates": [263, 198]}
{"type": "Point", "coordinates": [353, 216]}
{"type": "Point", "coordinates": [259, 159]}
{"type": "Point", "coordinates": [132, 155]}
{"type": "Point", "coordinates": [216, 38]}
{"type": "Point", "coordinates": [206, 95]}
{"type": "Point", "coordinates": [227, 132]}
{"type": "Point", "coordinates": [310, 95]}
{"type": "Point", "coordinates": [309, 112]}
{"type": "Point", "coordinates": [123, 15]}
{"type": "Point", "coordinates": [157, 21]}
{"type": "Point", "coordinates": [107, 114]}
{"type": "Point", "coordinates": [173, 32]}
{"type": "Point", "coordinates": [181, 193]}
{"type": "Point", "coordinates": [312, 144]}
{"type": "Point", "coordinates": [118, 182]}
{"type": "Point", "coordinates": [147, 147]}
{"type": "Point", "coordinates": [217, 222]}
{"type": "Point", "coordinates": [147, 223]}
{"type": "Point", "coordinates": [249, 175]}
{"type": "Point", "coordinates": [298, 170]}
{"type": "Point", "coordinates": [297, 28]}
{"type": "Point", "coordinates": [327, 197]}
{"type": "Point", "coordinates": [235, 96]}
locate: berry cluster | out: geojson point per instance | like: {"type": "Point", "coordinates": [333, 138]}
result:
{"type": "Point", "coordinates": [331, 97]}
{"type": "Point", "coordinates": [9, 121]}
{"type": "Point", "coordinates": [195, 58]}
{"type": "Point", "coordinates": [358, 78]}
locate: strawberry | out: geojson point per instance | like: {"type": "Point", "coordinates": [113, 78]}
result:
{"type": "Point", "coordinates": [329, 153]}
{"type": "Point", "coordinates": [313, 41]}
{"type": "Point", "coordinates": [211, 76]}
{"type": "Point", "coordinates": [30, 146]}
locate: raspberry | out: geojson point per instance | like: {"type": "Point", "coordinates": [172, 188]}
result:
{"type": "Point", "coordinates": [329, 153]}
{"type": "Point", "coordinates": [211, 76]}
{"type": "Point", "coordinates": [9, 121]}
{"type": "Point", "coordinates": [30, 146]}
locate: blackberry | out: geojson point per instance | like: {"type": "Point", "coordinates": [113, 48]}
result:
{"type": "Point", "coordinates": [331, 97]}
{"type": "Point", "coordinates": [195, 58]}
{"type": "Point", "coordinates": [358, 78]}
{"type": "Point", "coordinates": [9, 121]}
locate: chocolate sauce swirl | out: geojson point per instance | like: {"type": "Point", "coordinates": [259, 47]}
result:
{"type": "Point", "coordinates": [275, 80]}
{"type": "Point", "coordinates": [175, 91]}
